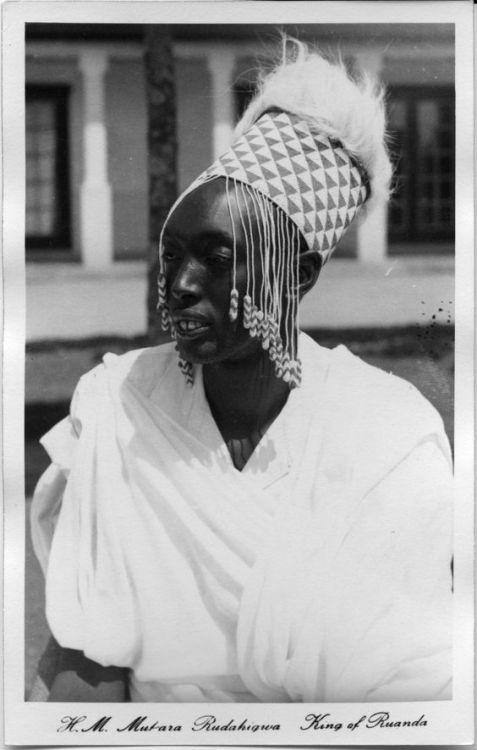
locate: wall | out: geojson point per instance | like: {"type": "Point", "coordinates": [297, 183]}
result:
{"type": "Point", "coordinates": [435, 70]}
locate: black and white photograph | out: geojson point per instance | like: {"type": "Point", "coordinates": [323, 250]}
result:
{"type": "Point", "coordinates": [238, 382]}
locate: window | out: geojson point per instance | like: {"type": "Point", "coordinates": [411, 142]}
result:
{"type": "Point", "coordinates": [422, 128]}
{"type": "Point", "coordinates": [47, 182]}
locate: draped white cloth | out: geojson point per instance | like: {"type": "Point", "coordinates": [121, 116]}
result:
{"type": "Point", "coordinates": [321, 572]}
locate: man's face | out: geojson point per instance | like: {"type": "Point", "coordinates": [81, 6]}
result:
{"type": "Point", "coordinates": [198, 247]}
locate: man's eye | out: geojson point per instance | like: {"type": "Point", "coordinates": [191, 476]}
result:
{"type": "Point", "coordinates": [169, 255]}
{"type": "Point", "coordinates": [219, 260]}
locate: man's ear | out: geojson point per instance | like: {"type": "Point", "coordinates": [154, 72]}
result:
{"type": "Point", "coordinates": [309, 270]}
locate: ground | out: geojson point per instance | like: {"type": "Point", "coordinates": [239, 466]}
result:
{"type": "Point", "coordinates": [424, 356]}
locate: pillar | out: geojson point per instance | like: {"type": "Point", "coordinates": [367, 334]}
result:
{"type": "Point", "coordinates": [373, 230]}
{"type": "Point", "coordinates": [221, 63]}
{"type": "Point", "coordinates": [96, 197]}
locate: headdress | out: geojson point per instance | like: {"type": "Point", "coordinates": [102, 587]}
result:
{"type": "Point", "coordinates": [305, 184]}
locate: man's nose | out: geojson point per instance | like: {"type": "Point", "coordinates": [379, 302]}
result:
{"type": "Point", "coordinates": [187, 282]}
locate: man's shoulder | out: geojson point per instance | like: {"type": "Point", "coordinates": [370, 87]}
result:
{"type": "Point", "coordinates": [365, 403]}
{"type": "Point", "coordinates": [384, 418]}
{"type": "Point", "coordinates": [371, 420]}
{"type": "Point", "coordinates": [361, 385]}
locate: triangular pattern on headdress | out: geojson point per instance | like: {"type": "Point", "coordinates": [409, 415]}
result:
{"type": "Point", "coordinates": [351, 200]}
{"type": "Point", "coordinates": [304, 183]}
{"type": "Point", "coordinates": [262, 150]}
{"type": "Point", "coordinates": [348, 220]}
{"type": "Point", "coordinates": [246, 162]}
{"type": "Point", "coordinates": [308, 145]}
{"type": "Point", "coordinates": [268, 174]}
{"type": "Point", "coordinates": [275, 187]}
{"type": "Point", "coordinates": [341, 200]}
{"type": "Point", "coordinates": [330, 182]}
{"type": "Point", "coordinates": [293, 149]}
{"type": "Point", "coordinates": [308, 175]}
{"type": "Point", "coordinates": [308, 208]}
{"type": "Point", "coordinates": [329, 223]}
{"type": "Point", "coordinates": [343, 213]}
{"type": "Point", "coordinates": [343, 177]}
{"type": "Point", "coordinates": [341, 159]}
{"type": "Point", "coordinates": [290, 182]}
{"type": "Point", "coordinates": [353, 179]}
{"type": "Point", "coordinates": [321, 217]}
{"type": "Point", "coordinates": [320, 198]}
{"type": "Point", "coordinates": [253, 174]}
{"type": "Point", "coordinates": [356, 193]}
{"type": "Point", "coordinates": [284, 168]}
{"type": "Point", "coordinates": [330, 237]}
{"type": "Point", "coordinates": [314, 160]}
{"type": "Point", "coordinates": [227, 158]}
{"type": "Point", "coordinates": [300, 167]}
{"type": "Point", "coordinates": [315, 183]}
{"type": "Point", "coordinates": [339, 221]}
{"type": "Point", "coordinates": [272, 133]}
{"type": "Point", "coordinates": [307, 225]}
{"type": "Point", "coordinates": [331, 203]}
{"type": "Point", "coordinates": [326, 161]}
{"type": "Point", "coordinates": [301, 128]}
{"type": "Point", "coordinates": [242, 148]}
{"type": "Point", "coordinates": [293, 208]}
{"type": "Point", "coordinates": [320, 139]}
{"type": "Point", "coordinates": [288, 135]}
{"type": "Point", "coordinates": [267, 123]}
{"type": "Point", "coordinates": [278, 151]}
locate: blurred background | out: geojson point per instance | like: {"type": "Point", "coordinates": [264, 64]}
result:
{"type": "Point", "coordinates": [120, 118]}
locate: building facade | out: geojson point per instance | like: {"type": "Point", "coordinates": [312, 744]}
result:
{"type": "Point", "coordinates": [86, 128]}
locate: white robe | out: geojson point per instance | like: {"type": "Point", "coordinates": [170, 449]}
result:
{"type": "Point", "coordinates": [321, 572]}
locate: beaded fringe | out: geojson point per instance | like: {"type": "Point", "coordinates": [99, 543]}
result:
{"type": "Point", "coordinates": [270, 302]}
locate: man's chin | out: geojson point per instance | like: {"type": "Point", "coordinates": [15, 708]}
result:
{"type": "Point", "coordinates": [209, 352]}
{"type": "Point", "coordinates": [204, 353]}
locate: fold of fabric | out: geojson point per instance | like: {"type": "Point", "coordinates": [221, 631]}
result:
{"type": "Point", "coordinates": [320, 572]}
{"type": "Point", "coordinates": [367, 604]}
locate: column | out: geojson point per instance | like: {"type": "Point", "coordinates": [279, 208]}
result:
{"type": "Point", "coordinates": [96, 197]}
{"type": "Point", "coordinates": [373, 231]}
{"type": "Point", "coordinates": [221, 63]}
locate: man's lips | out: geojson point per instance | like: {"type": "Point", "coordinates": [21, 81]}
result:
{"type": "Point", "coordinates": [189, 326]}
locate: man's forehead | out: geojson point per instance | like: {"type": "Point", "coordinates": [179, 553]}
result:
{"type": "Point", "coordinates": [217, 205]}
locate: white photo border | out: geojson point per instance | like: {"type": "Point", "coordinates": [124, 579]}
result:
{"type": "Point", "coordinates": [39, 724]}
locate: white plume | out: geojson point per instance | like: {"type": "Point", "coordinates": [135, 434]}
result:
{"type": "Point", "coordinates": [323, 94]}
